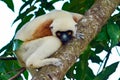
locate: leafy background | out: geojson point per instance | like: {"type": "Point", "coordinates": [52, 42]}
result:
{"type": "Point", "coordinates": [105, 41]}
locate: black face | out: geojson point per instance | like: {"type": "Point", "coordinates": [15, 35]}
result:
{"type": "Point", "coordinates": [64, 36]}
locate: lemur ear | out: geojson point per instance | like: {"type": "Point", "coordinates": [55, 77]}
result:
{"type": "Point", "coordinates": [77, 17]}
{"type": "Point", "coordinates": [43, 30]}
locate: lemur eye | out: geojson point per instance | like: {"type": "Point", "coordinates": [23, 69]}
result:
{"type": "Point", "coordinates": [69, 32]}
{"type": "Point", "coordinates": [51, 27]}
{"type": "Point", "coordinates": [58, 33]}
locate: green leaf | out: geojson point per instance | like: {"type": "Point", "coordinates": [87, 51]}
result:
{"type": "Point", "coordinates": [106, 72]}
{"type": "Point", "coordinates": [24, 14]}
{"type": "Point", "coordinates": [103, 35]}
{"type": "Point", "coordinates": [100, 42]}
{"type": "Point", "coordinates": [78, 6]}
{"type": "Point", "coordinates": [28, 10]}
{"type": "Point", "coordinates": [19, 17]}
{"type": "Point", "coordinates": [7, 48]}
{"type": "Point", "coordinates": [24, 21]}
{"type": "Point", "coordinates": [2, 69]}
{"type": "Point", "coordinates": [116, 17]}
{"type": "Point", "coordinates": [23, 6]}
{"type": "Point", "coordinates": [78, 70]}
{"type": "Point", "coordinates": [82, 65]}
{"type": "Point", "coordinates": [118, 9]}
{"type": "Point", "coordinates": [39, 12]}
{"type": "Point", "coordinates": [4, 77]}
{"type": "Point", "coordinates": [24, 0]}
{"type": "Point", "coordinates": [47, 5]}
{"type": "Point", "coordinates": [113, 32]}
{"type": "Point", "coordinates": [9, 4]}
{"type": "Point", "coordinates": [17, 44]}
{"type": "Point", "coordinates": [99, 48]}
{"type": "Point", "coordinates": [9, 69]}
{"type": "Point", "coordinates": [83, 72]}
{"type": "Point", "coordinates": [72, 6]}
{"type": "Point", "coordinates": [89, 74]}
{"type": "Point", "coordinates": [95, 58]}
{"type": "Point", "coordinates": [25, 73]}
{"type": "Point", "coordinates": [118, 22]}
{"type": "Point", "coordinates": [4, 48]}
{"type": "Point", "coordinates": [70, 74]}
{"type": "Point", "coordinates": [66, 6]}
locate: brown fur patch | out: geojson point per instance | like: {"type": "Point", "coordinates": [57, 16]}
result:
{"type": "Point", "coordinates": [43, 30]}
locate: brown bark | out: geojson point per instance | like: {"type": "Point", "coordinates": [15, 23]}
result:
{"type": "Point", "coordinates": [90, 25]}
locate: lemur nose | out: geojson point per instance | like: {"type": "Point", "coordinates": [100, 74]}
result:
{"type": "Point", "coordinates": [64, 36]}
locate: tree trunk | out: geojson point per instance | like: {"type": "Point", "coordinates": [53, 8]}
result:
{"type": "Point", "coordinates": [90, 26]}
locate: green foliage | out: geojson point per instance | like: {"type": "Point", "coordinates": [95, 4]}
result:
{"type": "Point", "coordinates": [78, 6]}
{"type": "Point", "coordinates": [8, 69]}
{"type": "Point", "coordinates": [9, 3]}
{"type": "Point", "coordinates": [113, 32]}
{"type": "Point", "coordinates": [80, 70]}
{"type": "Point", "coordinates": [17, 43]}
{"type": "Point", "coordinates": [8, 49]}
{"type": "Point", "coordinates": [108, 38]}
{"type": "Point", "coordinates": [106, 72]}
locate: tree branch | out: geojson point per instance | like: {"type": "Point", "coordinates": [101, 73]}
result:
{"type": "Point", "coordinates": [90, 25]}
{"type": "Point", "coordinates": [21, 70]}
{"type": "Point", "coordinates": [8, 58]}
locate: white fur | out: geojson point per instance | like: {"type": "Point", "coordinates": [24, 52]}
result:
{"type": "Point", "coordinates": [62, 20]}
{"type": "Point", "coordinates": [35, 53]}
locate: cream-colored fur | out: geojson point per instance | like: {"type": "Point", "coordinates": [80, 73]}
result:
{"type": "Point", "coordinates": [34, 53]}
{"type": "Point", "coordinates": [40, 41]}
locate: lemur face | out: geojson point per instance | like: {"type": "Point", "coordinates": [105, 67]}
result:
{"type": "Point", "coordinates": [65, 30]}
{"type": "Point", "coordinates": [64, 36]}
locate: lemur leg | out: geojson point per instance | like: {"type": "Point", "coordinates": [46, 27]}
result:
{"type": "Point", "coordinates": [40, 56]}
{"type": "Point", "coordinates": [37, 63]}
